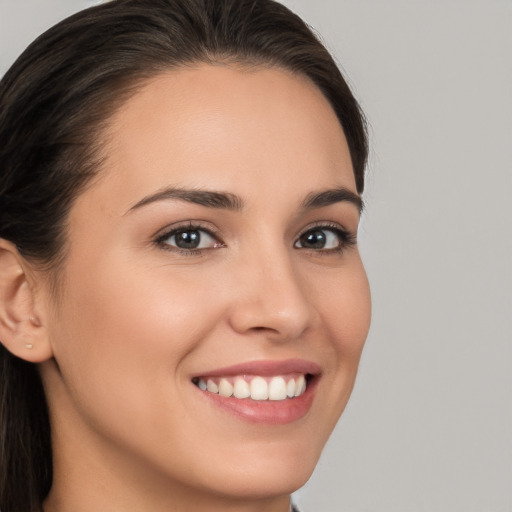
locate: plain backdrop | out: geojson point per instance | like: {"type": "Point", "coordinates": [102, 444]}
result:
{"type": "Point", "coordinates": [429, 426]}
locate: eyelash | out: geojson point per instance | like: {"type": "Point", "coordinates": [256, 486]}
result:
{"type": "Point", "coordinates": [346, 238]}
{"type": "Point", "coordinates": [190, 226]}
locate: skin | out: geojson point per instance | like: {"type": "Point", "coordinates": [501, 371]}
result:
{"type": "Point", "coordinates": [136, 319]}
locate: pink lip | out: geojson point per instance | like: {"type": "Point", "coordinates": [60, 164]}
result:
{"type": "Point", "coordinates": [267, 412]}
{"type": "Point", "coordinates": [265, 368]}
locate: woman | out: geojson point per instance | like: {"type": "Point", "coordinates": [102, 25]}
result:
{"type": "Point", "coordinates": [183, 303]}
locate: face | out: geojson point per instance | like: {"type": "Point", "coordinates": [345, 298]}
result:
{"type": "Point", "coordinates": [215, 255]}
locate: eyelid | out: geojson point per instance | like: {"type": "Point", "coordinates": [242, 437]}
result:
{"type": "Point", "coordinates": [189, 225]}
{"type": "Point", "coordinates": [347, 237]}
{"type": "Point", "coordinates": [334, 226]}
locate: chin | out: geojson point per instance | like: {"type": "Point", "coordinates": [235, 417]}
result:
{"type": "Point", "coordinates": [258, 485]}
{"type": "Point", "coordinates": [274, 469]}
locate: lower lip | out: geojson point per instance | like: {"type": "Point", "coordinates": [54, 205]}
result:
{"type": "Point", "coordinates": [270, 412]}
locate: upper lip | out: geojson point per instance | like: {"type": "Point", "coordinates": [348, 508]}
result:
{"type": "Point", "coordinates": [265, 368]}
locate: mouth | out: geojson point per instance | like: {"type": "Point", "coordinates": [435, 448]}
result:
{"type": "Point", "coordinates": [262, 392]}
{"type": "Point", "coordinates": [256, 387]}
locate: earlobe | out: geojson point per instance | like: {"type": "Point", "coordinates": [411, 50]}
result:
{"type": "Point", "coordinates": [22, 331]}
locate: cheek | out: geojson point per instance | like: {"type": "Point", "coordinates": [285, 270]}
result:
{"type": "Point", "coordinates": [122, 340]}
{"type": "Point", "coordinates": [345, 306]}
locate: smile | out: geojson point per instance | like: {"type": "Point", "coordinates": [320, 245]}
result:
{"type": "Point", "coordinates": [255, 387]}
{"type": "Point", "coordinates": [264, 392]}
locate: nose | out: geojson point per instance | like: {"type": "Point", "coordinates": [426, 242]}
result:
{"type": "Point", "coordinates": [271, 298]}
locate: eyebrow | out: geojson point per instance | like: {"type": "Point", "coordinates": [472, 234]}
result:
{"type": "Point", "coordinates": [229, 201]}
{"type": "Point", "coordinates": [332, 196]}
{"type": "Point", "coordinates": [208, 198]}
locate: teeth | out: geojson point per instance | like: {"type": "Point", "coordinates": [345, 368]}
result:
{"type": "Point", "coordinates": [277, 389]}
{"type": "Point", "coordinates": [300, 385]}
{"type": "Point", "coordinates": [241, 388]}
{"type": "Point", "coordinates": [290, 388]}
{"type": "Point", "coordinates": [225, 388]}
{"type": "Point", "coordinates": [257, 388]}
{"type": "Point", "coordinates": [211, 386]}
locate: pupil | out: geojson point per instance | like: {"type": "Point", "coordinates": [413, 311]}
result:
{"type": "Point", "coordinates": [188, 239]}
{"type": "Point", "coordinates": [313, 240]}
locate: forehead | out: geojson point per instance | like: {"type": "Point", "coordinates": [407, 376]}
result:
{"type": "Point", "coordinates": [226, 128]}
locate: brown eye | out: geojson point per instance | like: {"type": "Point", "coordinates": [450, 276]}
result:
{"type": "Point", "coordinates": [313, 239]}
{"type": "Point", "coordinates": [321, 239]}
{"type": "Point", "coordinates": [189, 239]}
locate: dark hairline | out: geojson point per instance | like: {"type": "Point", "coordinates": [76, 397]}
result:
{"type": "Point", "coordinates": [125, 90]}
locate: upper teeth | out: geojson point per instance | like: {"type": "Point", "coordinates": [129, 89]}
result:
{"type": "Point", "coordinates": [257, 388]}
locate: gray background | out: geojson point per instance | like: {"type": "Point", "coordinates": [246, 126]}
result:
{"type": "Point", "coordinates": [429, 427]}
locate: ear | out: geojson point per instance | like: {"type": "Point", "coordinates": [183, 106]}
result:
{"type": "Point", "coordinates": [22, 330]}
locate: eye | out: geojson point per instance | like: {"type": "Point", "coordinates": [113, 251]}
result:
{"type": "Point", "coordinates": [323, 238]}
{"type": "Point", "coordinates": [189, 238]}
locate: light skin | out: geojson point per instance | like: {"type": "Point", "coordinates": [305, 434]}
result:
{"type": "Point", "coordinates": [138, 317]}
